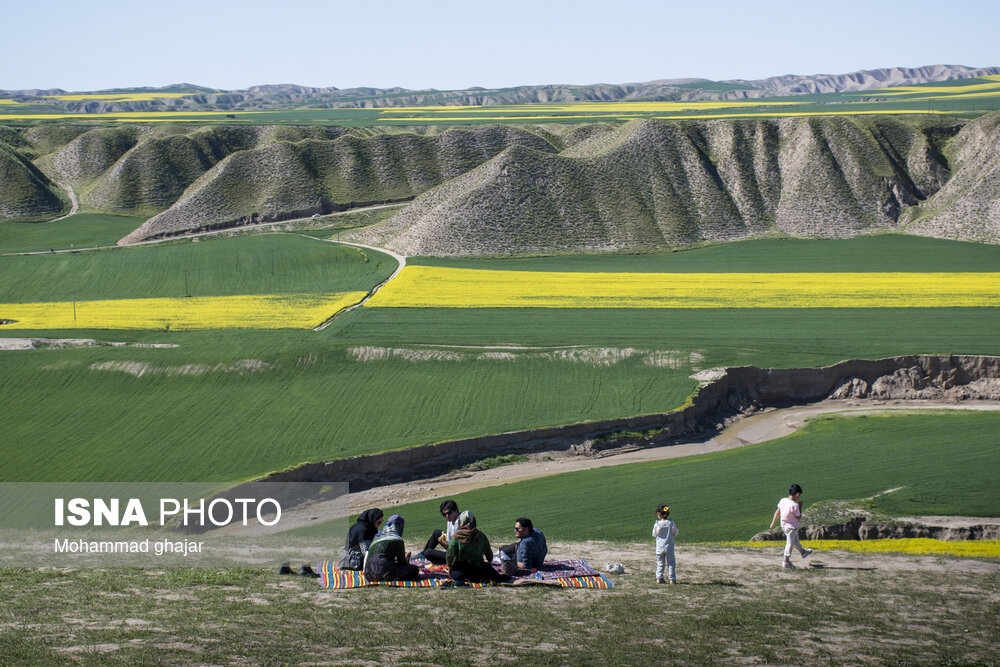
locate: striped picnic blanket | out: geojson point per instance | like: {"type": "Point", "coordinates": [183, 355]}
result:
{"type": "Point", "coordinates": [573, 573]}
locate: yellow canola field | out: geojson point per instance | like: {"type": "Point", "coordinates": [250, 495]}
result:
{"type": "Point", "coordinates": [960, 96]}
{"type": "Point", "coordinates": [117, 97]}
{"type": "Point", "coordinates": [910, 90]}
{"type": "Point", "coordinates": [441, 287]}
{"type": "Point", "coordinates": [910, 545]}
{"type": "Point", "coordinates": [590, 107]}
{"type": "Point", "coordinates": [271, 311]}
{"type": "Point", "coordinates": [126, 116]}
{"type": "Point", "coordinates": [448, 119]}
{"type": "Point", "coordinates": [802, 114]}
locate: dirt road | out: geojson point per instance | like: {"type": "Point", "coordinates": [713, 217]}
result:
{"type": "Point", "coordinates": [757, 428]}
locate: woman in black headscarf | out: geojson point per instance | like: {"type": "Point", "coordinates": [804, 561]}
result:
{"type": "Point", "coordinates": [359, 537]}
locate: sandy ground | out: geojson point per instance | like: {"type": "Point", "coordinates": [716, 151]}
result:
{"type": "Point", "coordinates": [757, 428]}
{"type": "Point", "coordinates": [637, 558]}
{"type": "Point", "coordinates": [699, 564]}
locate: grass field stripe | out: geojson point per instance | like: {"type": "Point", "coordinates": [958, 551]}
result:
{"type": "Point", "coordinates": [441, 287]}
{"type": "Point", "coordinates": [296, 311]}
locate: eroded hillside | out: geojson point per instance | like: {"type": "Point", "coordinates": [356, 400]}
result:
{"type": "Point", "coordinates": [26, 193]}
{"type": "Point", "coordinates": [656, 184]}
{"type": "Point", "coordinates": [639, 186]}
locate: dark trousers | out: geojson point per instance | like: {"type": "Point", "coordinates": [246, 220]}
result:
{"type": "Point", "coordinates": [402, 573]}
{"type": "Point", "coordinates": [509, 550]}
{"type": "Point", "coordinates": [431, 552]}
{"type": "Point", "coordinates": [383, 568]}
{"type": "Point", "coordinates": [477, 573]}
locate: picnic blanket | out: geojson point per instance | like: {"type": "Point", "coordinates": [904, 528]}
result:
{"type": "Point", "coordinates": [573, 573]}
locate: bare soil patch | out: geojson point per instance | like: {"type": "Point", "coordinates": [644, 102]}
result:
{"type": "Point", "coordinates": [11, 343]}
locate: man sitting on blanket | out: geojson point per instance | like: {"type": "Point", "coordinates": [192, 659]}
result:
{"type": "Point", "coordinates": [449, 510]}
{"type": "Point", "coordinates": [530, 550]}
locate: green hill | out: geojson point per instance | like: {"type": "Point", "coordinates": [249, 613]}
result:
{"type": "Point", "coordinates": [508, 190]}
{"type": "Point", "coordinates": [655, 184]}
{"type": "Point", "coordinates": [26, 194]}
{"type": "Point", "coordinates": [968, 204]}
{"type": "Point", "coordinates": [314, 175]}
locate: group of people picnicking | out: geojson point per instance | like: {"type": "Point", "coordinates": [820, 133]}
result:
{"type": "Point", "coordinates": [379, 552]}
{"type": "Point", "coordinates": [378, 549]}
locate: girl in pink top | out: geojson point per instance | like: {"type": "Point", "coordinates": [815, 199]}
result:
{"type": "Point", "coordinates": [789, 510]}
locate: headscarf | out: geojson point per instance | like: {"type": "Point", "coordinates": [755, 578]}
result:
{"type": "Point", "coordinates": [392, 530]}
{"type": "Point", "coordinates": [466, 532]}
{"type": "Point", "coordinates": [364, 529]}
{"type": "Point", "coordinates": [370, 516]}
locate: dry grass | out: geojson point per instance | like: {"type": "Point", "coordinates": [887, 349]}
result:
{"type": "Point", "coordinates": [731, 606]}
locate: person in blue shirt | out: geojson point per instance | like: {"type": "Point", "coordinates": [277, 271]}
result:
{"type": "Point", "coordinates": [530, 550]}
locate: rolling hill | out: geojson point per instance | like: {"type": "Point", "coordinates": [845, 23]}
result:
{"type": "Point", "coordinates": [657, 184]}
{"type": "Point", "coordinates": [556, 183]}
{"type": "Point", "coordinates": [503, 189]}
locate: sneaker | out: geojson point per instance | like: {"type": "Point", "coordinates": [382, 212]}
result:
{"type": "Point", "coordinates": [660, 581]}
{"type": "Point", "coordinates": [307, 571]}
{"type": "Point", "coordinates": [285, 568]}
{"type": "Point", "coordinates": [806, 552]}
{"type": "Point", "coordinates": [788, 565]}
{"type": "Point", "coordinates": [673, 581]}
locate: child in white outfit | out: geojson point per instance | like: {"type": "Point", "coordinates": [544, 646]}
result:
{"type": "Point", "coordinates": [664, 530]}
{"type": "Point", "coordinates": [789, 510]}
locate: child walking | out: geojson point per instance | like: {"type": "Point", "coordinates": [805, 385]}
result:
{"type": "Point", "coordinates": [664, 530]}
{"type": "Point", "coordinates": [789, 510]}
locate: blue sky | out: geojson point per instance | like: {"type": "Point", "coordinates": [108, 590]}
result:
{"type": "Point", "coordinates": [80, 46]}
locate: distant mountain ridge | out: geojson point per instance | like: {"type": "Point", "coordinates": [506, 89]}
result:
{"type": "Point", "coordinates": [279, 96]}
{"type": "Point", "coordinates": [792, 84]}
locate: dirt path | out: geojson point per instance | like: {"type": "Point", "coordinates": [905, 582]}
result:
{"type": "Point", "coordinates": [400, 259]}
{"type": "Point", "coordinates": [757, 428]}
{"type": "Point", "coordinates": [74, 205]}
{"type": "Point", "coordinates": [215, 232]}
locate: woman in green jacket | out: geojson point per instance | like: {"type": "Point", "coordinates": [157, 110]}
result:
{"type": "Point", "coordinates": [470, 556]}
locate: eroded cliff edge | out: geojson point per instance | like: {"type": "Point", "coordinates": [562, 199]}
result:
{"type": "Point", "coordinates": [735, 392]}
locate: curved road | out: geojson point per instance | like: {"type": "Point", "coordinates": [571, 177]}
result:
{"type": "Point", "coordinates": [750, 430]}
{"type": "Point", "coordinates": [401, 259]}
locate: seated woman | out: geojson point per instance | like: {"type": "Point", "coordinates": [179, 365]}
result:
{"type": "Point", "coordinates": [469, 555]}
{"type": "Point", "coordinates": [387, 559]}
{"type": "Point", "coordinates": [359, 537]}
